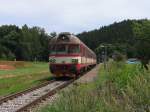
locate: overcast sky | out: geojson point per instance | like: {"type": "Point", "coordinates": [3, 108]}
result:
{"type": "Point", "coordinates": [71, 15]}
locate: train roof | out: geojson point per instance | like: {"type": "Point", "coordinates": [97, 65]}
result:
{"type": "Point", "coordinates": [68, 38]}
{"type": "Point", "coordinates": [65, 38]}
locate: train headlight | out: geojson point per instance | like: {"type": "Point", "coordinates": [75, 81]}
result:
{"type": "Point", "coordinates": [74, 60]}
{"type": "Point", "coordinates": [52, 60]}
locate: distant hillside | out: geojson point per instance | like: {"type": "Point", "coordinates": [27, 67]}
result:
{"type": "Point", "coordinates": [122, 35]}
{"type": "Point", "coordinates": [32, 43]}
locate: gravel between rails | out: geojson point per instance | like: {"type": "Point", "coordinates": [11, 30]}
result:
{"type": "Point", "coordinates": [16, 103]}
{"type": "Point", "coordinates": [86, 78]}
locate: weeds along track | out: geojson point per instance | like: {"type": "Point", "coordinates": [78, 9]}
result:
{"type": "Point", "coordinates": [21, 101]}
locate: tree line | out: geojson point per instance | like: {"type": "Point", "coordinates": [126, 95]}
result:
{"type": "Point", "coordinates": [129, 37]}
{"type": "Point", "coordinates": [23, 43]}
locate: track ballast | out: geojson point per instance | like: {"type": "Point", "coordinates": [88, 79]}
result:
{"type": "Point", "coordinates": [24, 100]}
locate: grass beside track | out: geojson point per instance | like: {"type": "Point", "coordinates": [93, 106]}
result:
{"type": "Point", "coordinates": [120, 88]}
{"type": "Point", "coordinates": [26, 75]}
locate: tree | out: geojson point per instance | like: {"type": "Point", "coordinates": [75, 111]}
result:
{"type": "Point", "coordinates": [142, 33]}
{"type": "Point", "coordinates": [23, 43]}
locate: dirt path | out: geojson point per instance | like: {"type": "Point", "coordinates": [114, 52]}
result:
{"type": "Point", "coordinates": [6, 67]}
{"type": "Point", "coordinates": [90, 76]}
{"type": "Point", "coordinates": [7, 76]}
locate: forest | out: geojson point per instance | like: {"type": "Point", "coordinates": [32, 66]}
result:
{"type": "Point", "coordinates": [129, 37]}
{"type": "Point", "coordinates": [23, 43]}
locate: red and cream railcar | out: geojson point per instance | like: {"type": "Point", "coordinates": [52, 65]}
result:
{"type": "Point", "coordinates": [69, 56]}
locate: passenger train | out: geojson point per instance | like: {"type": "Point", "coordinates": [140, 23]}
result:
{"type": "Point", "coordinates": [69, 56]}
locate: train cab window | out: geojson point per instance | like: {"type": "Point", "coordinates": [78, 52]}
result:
{"type": "Point", "coordinates": [61, 49]}
{"type": "Point", "coordinates": [73, 49]}
{"type": "Point", "coordinates": [52, 49]}
{"type": "Point", "coordinates": [64, 49]}
{"type": "Point", "coordinates": [58, 49]}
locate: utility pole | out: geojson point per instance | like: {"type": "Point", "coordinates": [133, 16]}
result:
{"type": "Point", "coordinates": [104, 55]}
{"type": "Point", "coordinates": [106, 70]}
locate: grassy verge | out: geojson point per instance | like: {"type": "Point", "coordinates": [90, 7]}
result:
{"type": "Point", "coordinates": [26, 75]}
{"type": "Point", "coordinates": [120, 88]}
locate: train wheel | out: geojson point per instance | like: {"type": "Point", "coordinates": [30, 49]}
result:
{"type": "Point", "coordinates": [78, 74]}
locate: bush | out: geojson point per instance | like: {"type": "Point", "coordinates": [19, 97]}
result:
{"type": "Point", "coordinates": [118, 57]}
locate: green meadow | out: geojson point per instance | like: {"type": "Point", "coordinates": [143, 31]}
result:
{"type": "Point", "coordinates": [25, 75]}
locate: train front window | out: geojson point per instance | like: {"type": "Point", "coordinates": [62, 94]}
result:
{"type": "Point", "coordinates": [61, 49]}
{"type": "Point", "coordinates": [64, 49]}
{"type": "Point", "coordinates": [73, 49]}
{"type": "Point", "coordinates": [52, 49]}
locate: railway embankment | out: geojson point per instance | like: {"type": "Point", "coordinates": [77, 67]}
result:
{"type": "Point", "coordinates": [22, 101]}
{"type": "Point", "coordinates": [90, 76]}
{"type": "Point", "coordinates": [118, 88]}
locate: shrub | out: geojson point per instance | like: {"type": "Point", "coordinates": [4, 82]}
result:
{"type": "Point", "coordinates": [118, 57]}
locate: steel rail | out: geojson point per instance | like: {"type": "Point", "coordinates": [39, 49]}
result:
{"type": "Point", "coordinates": [54, 91]}
{"type": "Point", "coordinates": [43, 91]}
{"type": "Point", "coordinates": [9, 97]}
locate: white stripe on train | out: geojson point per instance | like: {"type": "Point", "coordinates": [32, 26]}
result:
{"type": "Point", "coordinates": [68, 60]}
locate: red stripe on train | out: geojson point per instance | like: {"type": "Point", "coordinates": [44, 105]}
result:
{"type": "Point", "coordinates": [66, 55]}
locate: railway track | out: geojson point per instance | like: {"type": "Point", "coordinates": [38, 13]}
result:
{"type": "Point", "coordinates": [21, 101]}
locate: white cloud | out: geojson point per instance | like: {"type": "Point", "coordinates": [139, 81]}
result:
{"type": "Point", "coordinates": [71, 15]}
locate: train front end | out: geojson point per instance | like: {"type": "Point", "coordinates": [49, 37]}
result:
{"type": "Point", "coordinates": [64, 58]}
